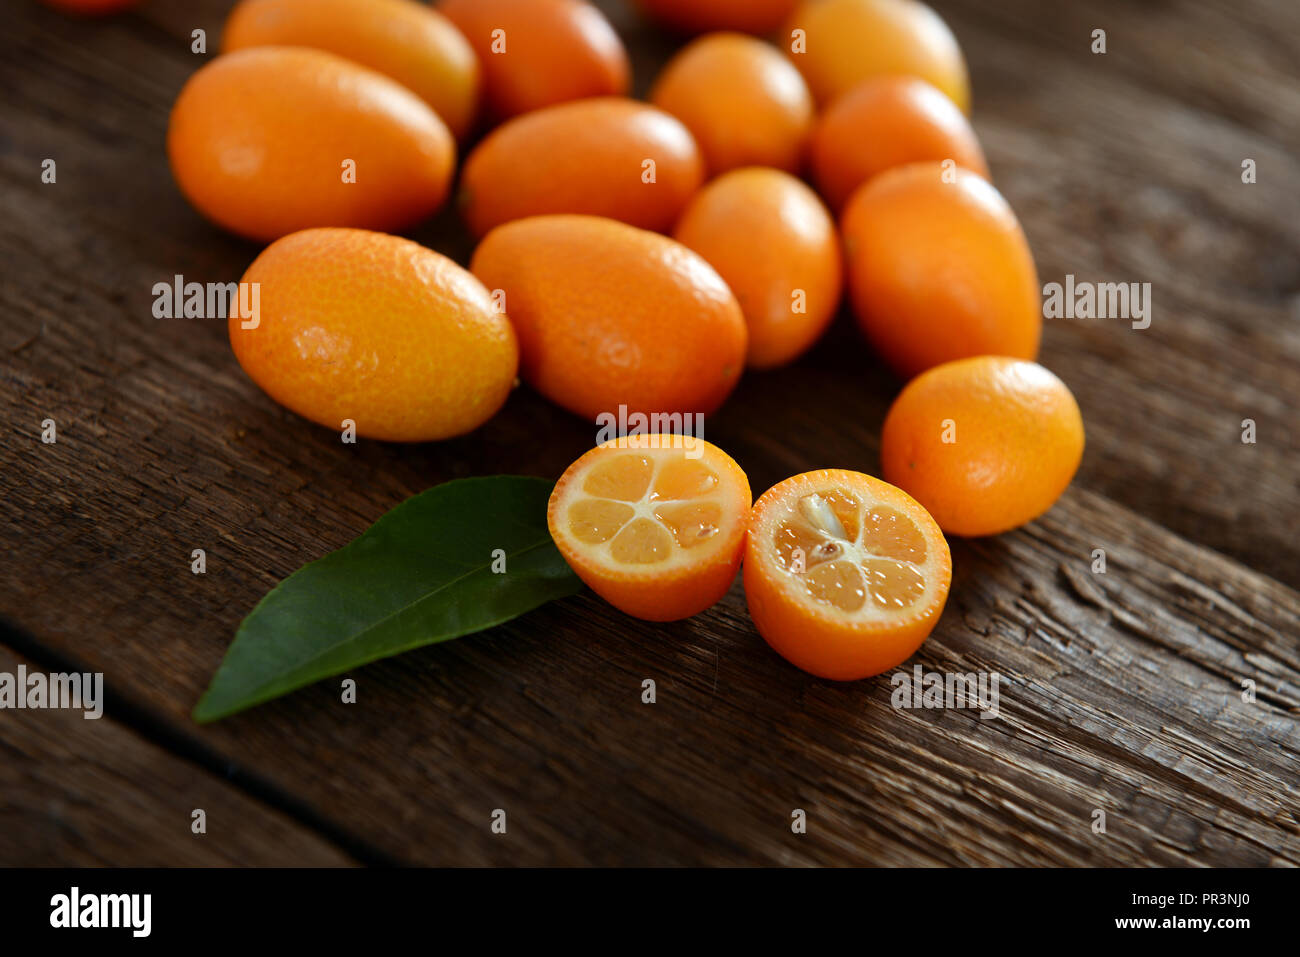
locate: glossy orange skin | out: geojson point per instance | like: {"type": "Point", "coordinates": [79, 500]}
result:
{"type": "Point", "coordinates": [818, 642]}
{"type": "Point", "coordinates": [555, 50]}
{"type": "Point", "coordinates": [610, 315]}
{"type": "Point", "coordinates": [651, 595]}
{"type": "Point", "coordinates": [886, 122]}
{"type": "Point", "coordinates": [402, 39]}
{"type": "Point", "coordinates": [742, 101]}
{"type": "Point", "coordinates": [1018, 442]}
{"type": "Point", "coordinates": [767, 234]}
{"type": "Point", "coordinates": [699, 16]}
{"type": "Point", "coordinates": [939, 270]}
{"type": "Point", "coordinates": [258, 137]}
{"type": "Point", "coordinates": [849, 41]}
{"type": "Point", "coordinates": [92, 7]}
{"type": "Point", "coordinates": [584, 157]}
{"type": "Point", "coordinates": [375, 328]}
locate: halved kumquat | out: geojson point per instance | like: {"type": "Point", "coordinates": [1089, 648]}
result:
{"type": "Point", "coordinates": [845, 575]}
{"type": "Point", "coordinates": [654, 524]}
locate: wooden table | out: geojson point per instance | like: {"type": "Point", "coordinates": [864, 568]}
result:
{"type": "Point", "coordinates": [1121, 692]}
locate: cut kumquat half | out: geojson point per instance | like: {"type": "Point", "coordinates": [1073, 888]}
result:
{"type": "Point", "coordinates": [845, 575]}
{"type": "Point", "coordinates": [654, 524]}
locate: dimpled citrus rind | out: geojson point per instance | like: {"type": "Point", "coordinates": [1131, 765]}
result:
{"type": "Point", "coordinates": [776, 246]}
{"type": "Point", "coordinates": [588, 157]}
{"type": "Point", "coordinates": [884, 545]}
{"type": "Point", "coordinates": [409, 42]}
{"type": "Point", "coordinates": [744, 103]}
{"type": "Point", "coordinates": [654, 524]}
{"type": "Point", "coordinates": [269, 140]}
{"type": "Point", "coordinates": [362, 326]}
{"type": "Point", "coordinates": [886, 122]}
{"type": "Point", "coordinates": [536, 53]}
{"type": "Point", "coordinates": [939, 269]}
{"type": "Point", "coordinates": [608, 315]}
{"type": "Point", "coordinates": [848, 41]}
{"type": "Point", "coordinates": [985, 444]}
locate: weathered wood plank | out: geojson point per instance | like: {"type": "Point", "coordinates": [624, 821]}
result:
{"type": "Point", "coordinates": [94, 793]}
{"type": "Point", "coordinates": [1126, 167]}
{"type": "Point", "coordinates": [1121, 692]}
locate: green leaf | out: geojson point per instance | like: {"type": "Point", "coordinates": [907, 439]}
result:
{"type": "Point", "coordinates": [420, 575]}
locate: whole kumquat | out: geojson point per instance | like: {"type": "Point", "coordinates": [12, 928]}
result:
{"type": "Point", "coordinates": [374, 329]}
{"type": "Point", "coordinates": [939, 268]}
{"type": "Point", "coordinates": [986, 444]}
{"type": "Point", "coordinates": [887, 122]}
{"type": "Point", "coordinates": [744, 103]}
{"type": "Point", "coordinates": [405, 40]}
{"type": "Point", "coordinates": [270, 140]}
{"type": "Point", "coordinates": [537, 53]}
{"type": "Point", "coordinates": [609, 316]}
{"type": "Point", "coordinates": [772, 240]}
{"type": "Point", "coordinates": [608, 156]}
{"type": "Point", "coordinates": [836, 44]}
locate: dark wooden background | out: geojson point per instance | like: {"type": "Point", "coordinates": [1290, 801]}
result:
{"type": "Point", "coordinates": [1121, 692]}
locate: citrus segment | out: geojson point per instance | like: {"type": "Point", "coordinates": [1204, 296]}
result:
{"type": "Point", "coordinates": [593, 521]}
{"type": "Point", "coordinates": [622, 477]}
{"type": "Point", "coordinates": [691, 524]}
{"type": "Point", "coordinates": [654, 524]}
{"type": "Point", "coordinates": [845, 575]}
{"type": "Point", "coordinates": [684, 479]}
{"type": "Point", "coordinates": [641, 542]}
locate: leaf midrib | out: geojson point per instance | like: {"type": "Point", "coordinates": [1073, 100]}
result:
{"type": "Point", "coordinates": [357, 636]}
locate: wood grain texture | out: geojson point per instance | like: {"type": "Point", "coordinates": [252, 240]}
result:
{"type": "Point", "coordinates": [1121, 692]}
{"type": "Point", "coordinates": [1126, 167]}
{"type": "Point", "coordinates": [93, 793]}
